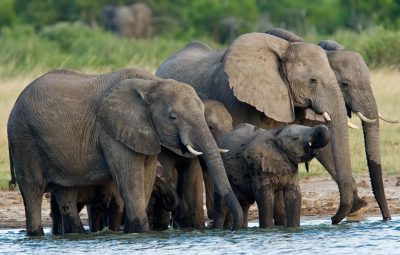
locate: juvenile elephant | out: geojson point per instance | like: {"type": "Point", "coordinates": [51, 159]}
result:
{"type": "Point", "coordinates": [105, 205]}
{"type": "Point", "coordinates": [261, 163]}
{"type": "Point", "coordinates": [264, 80]}
{"type": "Point", "coordinates": [354, 80]}
{"type": "Point", "coordinates": [188, 173]}
{"type": "Point", "coordinates": [132, 21]}
{"type": "Point", "coordinates": [69, 130]}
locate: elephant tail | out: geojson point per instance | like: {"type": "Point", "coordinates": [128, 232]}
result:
{"type": "Point", "coordinates": [12, 183]}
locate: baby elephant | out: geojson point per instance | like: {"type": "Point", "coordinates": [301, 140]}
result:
{"type": "Point", "coordinates": [261, 163]}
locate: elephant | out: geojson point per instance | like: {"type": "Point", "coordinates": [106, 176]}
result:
{"type": "Point", "coordinates": [69, 130]}
{"type": "Point", "coordinates": [260, 163]}
{"type": "Point", "coordinates": [105, 204]}
{"type": "Point", "coordinates": [188, 173]}
{"type": "Point", "coordinates": [265, 80]}
{"type": "Point", "coordinates": [354, 79]}
{"type": "Point", "coordinates": [132, 21]}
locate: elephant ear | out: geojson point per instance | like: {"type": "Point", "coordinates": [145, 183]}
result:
{"type": "Point", "coordinates": [252, 64]}
{"type": "Point", "coordinates": [123, 113]}
{"type": "Point", "coordinates": [267, 157]}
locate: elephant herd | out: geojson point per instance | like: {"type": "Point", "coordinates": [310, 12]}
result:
{"type": "Point", "coordinates": [138, 149]}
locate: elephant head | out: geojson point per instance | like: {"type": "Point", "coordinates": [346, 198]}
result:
{"type": "Point", "coordinates": [218, 119]}
{"type": "Point", "coordinates": [145, 114]}
{"type": "Point", "coordinates": [275, 76]}
{"type": "Point", "coordinates": [279, 151]}
{"type": "Point", "coordinates": [354, 79]}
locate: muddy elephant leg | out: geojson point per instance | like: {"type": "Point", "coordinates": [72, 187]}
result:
{"type": "Point", "coordinates": [209, 188]}
{"type": "Point", "coordinates": [279, 209]}
{"type": "Point", "coordinates": [27, 160]}
{"type": "Point", "coordinates": [67, 204]}
{"type": "Point", "coordinates": [57, 225]}
{"type": "Point", "coordinates": [292, 197]}
{"type": "Point", "coordinates": [115, 207]}
{"type": "Point", "coordinates": [245, 208]}
{"type": "Point", "coordinates": [190, 191]}
{"type": "Point", "coordinates": [220, 212]}
{"type": "Point", "coordinates": [265, 201]}
{"type": "Point", "coordinates": [96, 217]}
{"type": "Point", "coordinates": [325, 157]}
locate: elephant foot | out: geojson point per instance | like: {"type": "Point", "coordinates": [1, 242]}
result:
{"type": "Point", "coordinates": [70, 225]}
{"type": "Point", "coordinates": [359, 206]}
{"type": "Point", "coordinates": [38, 232]}
{"type": "Point", "coordinates": [136, 226]}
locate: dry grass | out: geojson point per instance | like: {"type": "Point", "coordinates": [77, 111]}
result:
{"type": "Point", "coordinates": [386, 86]}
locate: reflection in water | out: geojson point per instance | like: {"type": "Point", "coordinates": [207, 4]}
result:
{"type": "Point", "coordinates": [371, 236]}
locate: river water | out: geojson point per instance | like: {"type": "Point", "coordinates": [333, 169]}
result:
{"type": "Point", "coordinates": [315, 236]}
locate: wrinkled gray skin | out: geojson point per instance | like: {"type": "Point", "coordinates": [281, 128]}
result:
{"type": "Point", "coordinates": [261, 163]}
{"type": "Point", "coordinates": [105, 205]}
{"type": "Point", "coordinates": [264, 80]}
{"type": "Point", "coordinates": [188, 174]}
{"type": "Point", "coordinates": [132, 21]}
{"type": "Point", "coordinates": [81, 130]}
{"type": "Point", "coordinates": [354, 79]}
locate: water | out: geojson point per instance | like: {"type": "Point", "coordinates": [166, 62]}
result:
{"type": "Point", "coordinates": [315, 236]}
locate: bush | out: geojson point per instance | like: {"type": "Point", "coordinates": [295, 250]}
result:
{"type": "Point", "coordinates": [379, 47]}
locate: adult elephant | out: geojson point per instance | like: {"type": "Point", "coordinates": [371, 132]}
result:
{"type": "Point", "coordinates": [132, 21]}
{"type": "Point", "coordinates": [261, 79]}
{"type": "Point", "coordinates": [68, 130]}
{"type": "Point", "coordinates": [188, 173]}
{"type": "Point", "coordinates": [354, 80]}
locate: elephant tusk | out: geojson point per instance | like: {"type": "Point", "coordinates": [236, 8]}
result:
{"type": "Point", "coordinates": [365, 119]}
{"type": "Point", "coordinates": [190, 148]}
{"type": "Point", "coordinates": [387, 120]}
{"type": "Point", "coordinates": [352, 125]}
{"type": "Point", "coordinates": [223, 150]}
{"type": "Point", "coordinates": [309, 144]}
{"type": "Point", "coordinates": [327, 116]}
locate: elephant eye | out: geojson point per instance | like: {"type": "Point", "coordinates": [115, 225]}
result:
{"type": "Point", "coordinates": [313, 81]}
{"type": "Point", "coordinates": [345, 84]}
{"type": "Point", "coordinates": [172, 116]}
{"type": "Point", "coordinates": [210, 127]}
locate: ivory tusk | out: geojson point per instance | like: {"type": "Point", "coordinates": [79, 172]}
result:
{"type": "Point", "coordinates": [365, 119]}
{"type": "Point", "coordinates": [190, 148]}
{"type": "Point", "coordinates": [387, 120]}
{"type": "Point", "coordinates": [327, 116]}
{"type": "Point", "coordinates": [223, 150]}
{"type": "Point", "coordinates": [309, 144]}
{"type": "Point", "coordinates": [352, 125]}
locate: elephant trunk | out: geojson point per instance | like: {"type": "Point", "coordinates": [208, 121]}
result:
{"type": "Point", "coordinates": [320, 137]}
{"type": "Point", "coordinates": [372, 150]}
{"type": "Point", "coordinates": [215, 167]}
{"type": "Point", "coordinates": [339, 150]}
{"type": "Point", "coordinates": [373, 153]}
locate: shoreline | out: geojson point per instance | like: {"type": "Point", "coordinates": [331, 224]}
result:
{"type": "Point", "coordinates": [320, 199]}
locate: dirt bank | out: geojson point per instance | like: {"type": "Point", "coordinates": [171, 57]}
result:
{"type": "Point", "coordinates": [320, 198]}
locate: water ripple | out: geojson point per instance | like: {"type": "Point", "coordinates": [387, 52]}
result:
{"type": "Point", "coordinates": [316, 236]}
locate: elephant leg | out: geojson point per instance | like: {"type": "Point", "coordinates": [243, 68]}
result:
{"type": "Point", "coordinates": [127, 169]}
{"type": "Point", "coordinates": [220, 212]}
{"type": "Point", "coordinates": [245, 208]}
{"type": "Point", "coordinates": [292, 196]}
{"type": "Point", "coordinates": [115, 207]}
{"type": "Point", "coordinates": [325, 157]}
{"type": "Point", "coordinates": [96, 217]}
{"type": "Point", "coordinates": [190, 191]}
{"type": "Point", "coordinates": [279, 209]}
{"type": "Point", "coordinates": [57, 227]}
{"type": "Point", "coordinates": [29, 174]}
{"type": "Point", "coordinates": [209, 188]}
{"type": "Point", "coordinates": [67, 204]}
{"type": "Point", "coordinates": [265, 202]}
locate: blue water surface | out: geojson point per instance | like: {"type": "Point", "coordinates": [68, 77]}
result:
{"type": "Point", "coordinates": [315, 236]}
